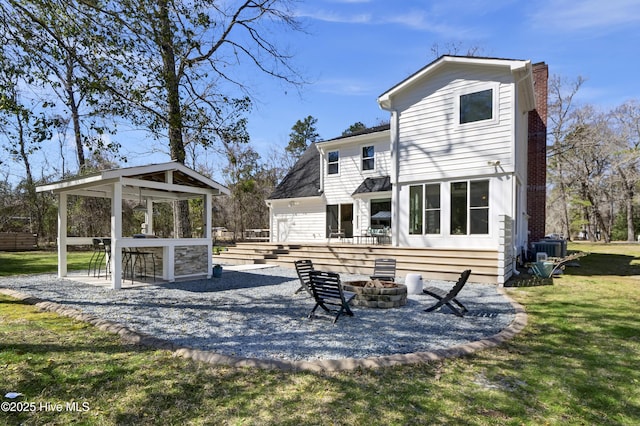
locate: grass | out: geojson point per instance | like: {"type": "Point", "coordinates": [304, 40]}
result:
{"type": "Point", "coordinates": [38, 262]}
{"type": "Point", "coordinates": [575, 363]}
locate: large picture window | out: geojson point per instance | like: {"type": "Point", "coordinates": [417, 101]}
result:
{"type": "Point", "coordinates": [470, 208]}
{"type": "Point", "coordinates": [333, 159]}
{"type": "Point", "coordinates": [477, 106]}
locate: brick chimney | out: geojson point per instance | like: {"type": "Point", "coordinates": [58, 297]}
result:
{"type": "Point", "coordinates": [537, 155]}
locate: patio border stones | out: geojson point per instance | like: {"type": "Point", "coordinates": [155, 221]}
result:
{"type": "Point", "coordinates": [133, 337]}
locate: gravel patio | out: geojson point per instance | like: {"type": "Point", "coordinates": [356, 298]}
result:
{"type": "Point", "coordinates": [255, 314]}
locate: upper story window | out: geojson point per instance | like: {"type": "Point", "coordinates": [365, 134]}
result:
{"type": "Point", "coordinates": [333, 159]}
{"type": "Point", "coordinates": [476, 106]}
{"type": "Point", "coordinates": [368, 158]}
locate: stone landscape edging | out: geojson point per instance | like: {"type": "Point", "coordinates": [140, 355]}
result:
{"type": "Point", "coordinates": [134, 337]}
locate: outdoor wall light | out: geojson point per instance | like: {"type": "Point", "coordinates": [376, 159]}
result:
{"type": "Point", "coordinates": [494, 163]}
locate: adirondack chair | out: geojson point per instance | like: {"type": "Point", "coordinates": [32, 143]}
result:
{"type": "Point", "coordinates": [384, 270]}
{"type": "Point", "coordinates": [447, 298]}
{"type": "Point", "coordinates": [327, 291]}
{"type": "Point", "coordinates": [303, 268]}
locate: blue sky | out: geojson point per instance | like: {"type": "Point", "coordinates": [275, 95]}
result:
{"type": "Point", "coordinates": [354, 50]}
{"type": "Point", "coordinates": [357, 49]}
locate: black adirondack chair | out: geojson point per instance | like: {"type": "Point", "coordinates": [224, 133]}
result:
{"type": "Point", "coordinates": [384, 270]}
{"type": "Point", "coordinates": [447, 298]}
{"type": "Point", "coordinates": [327, 292]}
{"type": "Point", "coordinates": [303, 268]}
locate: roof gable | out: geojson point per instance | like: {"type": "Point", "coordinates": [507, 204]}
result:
{"type": "Point", "coordinates": [516, 66]}
{"type": "Point", "coordinates": [157, 176]}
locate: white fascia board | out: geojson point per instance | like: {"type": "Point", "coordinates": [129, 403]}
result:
{"type": "Point", "coordinates": [137, 170]}
{"type": "Point", "coordinates": [278, 201]}
{"type": "Point", "coordinates": [69, 185]}
{"type": "Point", "coordinates": [364, 195]}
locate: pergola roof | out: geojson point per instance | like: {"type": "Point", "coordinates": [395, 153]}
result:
{"type": "Point", "coordinates": [157, 182]}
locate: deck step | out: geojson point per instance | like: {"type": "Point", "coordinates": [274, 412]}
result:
{"type": "Point", "coordinates": [348, 258]}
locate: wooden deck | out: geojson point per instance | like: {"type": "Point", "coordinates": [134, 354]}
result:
{"type": "Point", "coordinates": [359, 259]}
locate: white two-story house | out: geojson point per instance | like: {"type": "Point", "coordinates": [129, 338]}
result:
{"type": "Point", "coordinates": [452, 170]}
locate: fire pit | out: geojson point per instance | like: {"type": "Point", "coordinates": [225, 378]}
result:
{"type": "Point", "coordinates": [377, 294]}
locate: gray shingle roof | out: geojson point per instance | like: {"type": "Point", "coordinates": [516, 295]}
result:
{"type": "Point", "coordinates": [303, 180]}
{"type": "Point", "coordinates": [377, 184]}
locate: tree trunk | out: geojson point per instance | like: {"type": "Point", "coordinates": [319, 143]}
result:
{"type": "Point", "coordinates": [629, 193]}
{"type": "Point", "coordinates": [631, 229]}
{"type": "Point", "coordinates": [75, 114]}
{"type": "Point", "coordinates": [182, 223]}
{"type": "Point", "coordinates": [32, 196]}
{"type": "Point", "coordinates": [563, 197]}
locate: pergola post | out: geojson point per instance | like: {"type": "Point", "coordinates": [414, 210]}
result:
{"type": "Point", "coordinates": [149, 217]}
{"type": "Point", "coordinates": [208, 209]}
{"type": "Point", "coordinates": [116, 236]}
{"type": "Point", "coordinates": [62, 234]}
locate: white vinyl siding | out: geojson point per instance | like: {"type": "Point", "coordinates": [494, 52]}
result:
{"type": "Point", "coordinates": [298, 221]}
{"type": "Point", "coordinates": [432, 142]}
{"type": "Point", "coordinates": [338, 189]}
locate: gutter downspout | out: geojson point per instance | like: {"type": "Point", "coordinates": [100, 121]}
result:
{"type": "Point", "coordinates": [395, 172]}
{"type": "Point", "coordinates": [384, 102]}
{"type": "Point", "coordinates": [321, 159]}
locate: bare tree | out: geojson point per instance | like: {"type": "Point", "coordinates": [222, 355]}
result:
{"type": "Point", "coordinates": [46, 40]}
{"type": "Point", "coordinates": [176, 72]}
{"type": "Point", "coordinates": [561, 116]}
{"type": "Point", "coordinates": [588, 168]}
{"type": "Point", "coordinates": [626, 119]}
{"type": "Point", "coordinates": [454, 48]}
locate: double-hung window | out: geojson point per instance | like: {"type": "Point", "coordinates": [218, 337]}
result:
{"type": "Point", "coordinates": [368, 158]}
{"type": "Point", "coordinates": [333, 159]}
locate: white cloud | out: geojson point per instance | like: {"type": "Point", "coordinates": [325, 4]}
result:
{"type": "Point", "coordinates": [415, 20]}
{"type": "Point", "coordinates": [331, 16]}
{"type": "Point", "coordinates": [345, 86]}
{"type": "Point", "coordinates": [569, 15]}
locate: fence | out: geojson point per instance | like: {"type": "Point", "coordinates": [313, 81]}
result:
{"type": "Point", "coordinates": [11, 241]}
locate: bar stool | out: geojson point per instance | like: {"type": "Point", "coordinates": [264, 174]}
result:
{"type": "Point", "coordinates": [98, 253]}
{"type": "Point", "coordinates": [105, 258]}
{"type": "Point", "coordinates": [127, 261]}
{"type": "Point", "coordinates": [141, 261]}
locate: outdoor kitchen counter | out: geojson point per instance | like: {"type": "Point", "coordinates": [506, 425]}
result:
{"type": "Point", "coordinates": [181, 257]}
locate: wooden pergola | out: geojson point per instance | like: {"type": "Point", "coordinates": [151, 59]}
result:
{"type": "Point", "coordinates": [154, 183]}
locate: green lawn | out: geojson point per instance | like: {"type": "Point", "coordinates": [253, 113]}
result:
{"type": "Point", "coordinates": [575, 363]}
{"type": "Point", "coordinates": [38, 262]}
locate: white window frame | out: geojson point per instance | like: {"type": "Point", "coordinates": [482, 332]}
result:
{"type": "Point", "coordinates": [470, 208]}
{"type": "Point", "coordinates": [337, 163]}
{"type": "Point", "coordinates": [363, 158]}
{"type": "Point", "coordinates": [424, 209]}
{"type": "Point", "coordinates": [495, 119]}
